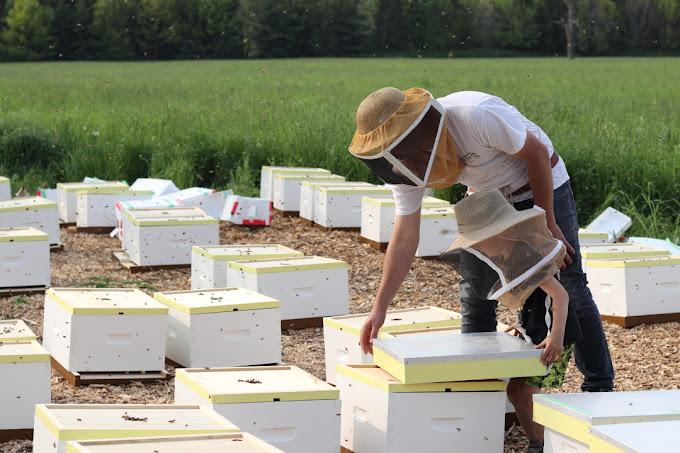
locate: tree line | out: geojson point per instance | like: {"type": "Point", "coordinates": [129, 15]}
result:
{"type": "Point", "coordinates": [211, 29]}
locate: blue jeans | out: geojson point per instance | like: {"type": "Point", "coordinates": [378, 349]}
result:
{"type": "Point", "coordinates": [591, 352]}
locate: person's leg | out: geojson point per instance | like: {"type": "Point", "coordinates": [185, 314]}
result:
{"type": "Point", "coordinates": [479, 315]}
{"type": "Point", "coordinates": [521, 396]}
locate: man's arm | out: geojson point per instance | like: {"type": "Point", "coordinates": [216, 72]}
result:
{"type": "Point", "coordinates": [398, 259]}
{"type": "Point", "coordinates": [536, 155]}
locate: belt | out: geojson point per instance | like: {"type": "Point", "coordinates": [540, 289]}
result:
{"type": "Point", "coordinates": [527, 187]}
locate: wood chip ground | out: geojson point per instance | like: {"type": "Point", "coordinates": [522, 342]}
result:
{"type": "Point", "coordinates": [645, 357]}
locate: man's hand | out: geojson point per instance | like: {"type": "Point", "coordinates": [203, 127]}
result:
{"type": "Point", "coordinates": [557, 234]}
{"type": "Point", "coordinates": [369, 331]}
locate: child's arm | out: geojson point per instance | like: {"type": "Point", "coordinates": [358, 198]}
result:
{"type": "Point", "coordinates": [560, 301]}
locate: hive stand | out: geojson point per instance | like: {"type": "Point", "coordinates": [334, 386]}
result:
{"type": "Point", "coordinates": [125, 261]}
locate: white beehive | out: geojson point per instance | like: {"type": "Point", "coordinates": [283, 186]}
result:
{"type": "Point", "coordinates": [25, 382]}
{"type": "Point", "coordinates": [222, 327]}
{"type": "Point", "coordinates": [438, 230]}
{"type": "Point", "coordinates": [96, 206]}
{"type": "Point", "coordinates": [307, 189]}
{"type": "Point", "coordinates": [612, 222]}
{"type": "Point", "coordinates": [5, 188]}
{"type": "Point", "coordinates": [381, 414]}
{"type": "Point", "coordinates": [56, 424]}
{"type": "Point", "coordinates": [267, 177]}
{"type": "Point", "coordinates": [208, 200]}
{"type": "Point", "coordinates": [159, 187]}
{"type": "Point", "coordinates": [643, 437]}
{"type": "Point", "coordinates": [247, 211]}
{"type": "Point", "coordinates": [618, 250]}
{"type": "Point", "coordinates": [209, 263]}
{"type": "Point", "coordinates": [588, 237]}
{"type": "Point", "coordinates": [122, 206]}
{"type": "Point", "coordinates": [24, 257]}
{"type": "Point", "coordinates": [203, 443]}
{"type": "Point", "coordinates": [15, 330]}
{"type": "Point", "coordinates": [164, 236]}
{"type": "Point", "coordinates": [661, 244]}
{"type": "Point", "coordinates": [632, 287]}
{"type": "Point", "coordinates": [378, 217]}
{"type": "Point", "coordinates": [286, 193]}
{"type": "Point", "coordinates": [340, 207]}
{"type": "Point", "coordinates": [567, 417]}
{"type": "Point", "coordinates": [341, 333]}
{"type": "Point", "coordinates": [282, 405]}
{"type": "Point", "coordinates": [473, 356]}
{"type": "Point", "coordinates": [31, 212]}
{"type": "Point", "coordinates": [306, 286]}
{"type": "Point", "coordinates": [105, 329]}
{"type": "Point", "coordinates": [66, 196]}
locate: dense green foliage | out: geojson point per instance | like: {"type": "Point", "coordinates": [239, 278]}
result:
{"type": "Point", "coordinates": [218, 29]}
{"type": "Point", "coordinates": [615, 121]}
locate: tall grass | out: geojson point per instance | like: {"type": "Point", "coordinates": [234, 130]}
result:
{"type": "Point", "coordinates": [614, 121]}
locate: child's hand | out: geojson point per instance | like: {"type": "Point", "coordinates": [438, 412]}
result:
{"type": "Point", "coordinates": [511, 328]}
{"type": "Point", "coordinates": [552, 351]}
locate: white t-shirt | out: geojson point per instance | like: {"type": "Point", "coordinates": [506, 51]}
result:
{"type": "Point", "coordinates": [487, 131]}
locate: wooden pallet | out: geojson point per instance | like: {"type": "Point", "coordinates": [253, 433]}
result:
{"type": "Point", "coordinates": [19, 290]}
{"type": "Point", "coordinates": [90, 230]}
{"type": "Point", "coordinates": [56, 248]}
{"type": "Point", "coordinates": [77, 379]}
{"type": "Point", "coordinates": [63, 224]}
{"type": "Point", "coordinates": [16, 434]}
{"type": "Point", "coordinates": [382, 246]}
{"type": "Point", "coordinates": [327, 229]}
{"type": "Point", "coordinates": [287, 213]}
{"type": "Point", "coordinates": [632, 321]}
{"type": "Point", "coordinates": [302, 323]}
{"type": "Point", "coordinates": [133, 267]}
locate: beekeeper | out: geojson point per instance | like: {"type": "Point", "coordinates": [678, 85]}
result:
{"type": "Point", "coordinates": [413, 141]}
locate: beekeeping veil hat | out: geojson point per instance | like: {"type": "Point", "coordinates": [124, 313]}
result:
{"type": "Point", "coordinates": [402, 137]}
{"type": "Point", "coordinates": [503, 253]}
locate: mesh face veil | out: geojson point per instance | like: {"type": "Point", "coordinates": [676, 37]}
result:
{"type": "Point", "coordinates": [504, 254]}
{"type": "Point", "coordinates": [402, 137]}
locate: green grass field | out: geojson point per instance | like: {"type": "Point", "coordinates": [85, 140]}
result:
{"type": "Point", "coordinates": [615, 121]}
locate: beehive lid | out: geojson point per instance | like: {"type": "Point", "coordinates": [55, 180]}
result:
{"type": "Point", "coordinates": [388, 201]}
{"type": "Point", "coordinates": [589, 234]}
{"type": "Point", "coordinates": [300, 263]}
{"type": "Point", "coordinates": [4, 180]}
{"type": "Point", "coordinates": [244, 252]}
{"type": "Point", "coordinates": [376, 377]}
{"type": "Point", "coordinates": [622, 250]}
{"type": "Point", "coordinates": [106, 301]}
{"type": "Point", "coordinates": [436, 212]}
{"type": "Point", "coordinates": [448, 330]}
{"type": "Point", "coordinates": [315, 184]}
{"type": "Point", "coordinates": [396, 320]}
{"type": "Point", "coordinates": [349, 190]}
{"type": "Point", "coordinates": [23, 352]}
{"type": "Point", "coordinates": [649, 437]}
{"type": "Point", "coordinates": [26, 204]}
{"type": "Point", "coordinates": [110, 421]}
{"type": "Point", "coordinates": [15, 330]}
{"type": "Point", "coordinates": [22, 235]}
{"type": "Point", "coordinates": [256, 384]}
{"type": "Point", "coordinates": [473, 356]}
{"type": "Point", "coordinates": [215, 300]}
{"type": "Point", "coordinates": [76, 186]}
{"type": "Point", "coordinates": [651, 261]}
{"type": "Point", "coordinates": [311, 176]}
{"type": "Point", "coordinates": [271, 169]}
{"type": "Point", "coordinates": [203, 443]}
{"type": "Point", "coordinates": [112, 191]}
{"type": "Point", "coordinates": [169, 216]}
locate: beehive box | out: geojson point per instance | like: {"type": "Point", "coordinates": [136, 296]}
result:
{"type": "Point", "coordinates": [473, 356]}
{"type": "Point", "coordinates": [588, 237]}
{"type": "Point", "coordinates": [56, 424]}
{"type": "Point", "coordinates": [122, 206]}
{"type": "Point", "coordinates": [159, 187]}
{"type": "Point", "coordinates": [340, 207]}
{"type": "Point", "coordinates": [25, 382]}
{"type": "Point", "coordinates": [286, 193]}
{"type": "Point", "coordinates": [567, 417]}
{"type": "Point", "coordinates": [612, 222]}
{"type": "Point", "coordinates": [222, 327]}
{"type": "Point", "coordinates": [633, 291]}
{"type": "Point", "coordinates": [15, 330]}
{"type": "Point", "coordinates": [164, 236]}
{"type": "Point", "coordinates": [105, 329]}
{"type": "Point", "coordinates": [378, 217]}
{"type": "Point", "coordinates": [24, 257]}
{"type": "Point", "coordinates": [247, 211]}
{"type": "Point", "coordinates": [5, 188]}
{"type": "Point", "coordinates": [307, 189]}
{"type": "Point", "coordinates": [96, 207]}
{"type": "Point", "coordinates": [645, 437]}
{"type": "Point", "coordinates": [209, 263]}
{"type": "Point", "coordinates": [438, 230]}
{"type": "Point", "coordinates": [341, 333]}
{"type": "Point", "coordinates": [207, 200]}
{"type": "Point", "coordinates": [282, 405]}
{"type": "Point", "coordinates": [381, 414]}
{"type": "Point", "coordinates": [31, 212]}
{"type": "Point", "coordinates": [618, 250]}
{"type": "Point", "coordinates": [267, 177]}
{"type": "Point", "coordinates": [203, 443]}
{"type": "Point", "coordinates": [67, 198]}
{"type": "Point", "coordinates": [306, 286]}
{"type": "Point", "coordinates": [661, 244]}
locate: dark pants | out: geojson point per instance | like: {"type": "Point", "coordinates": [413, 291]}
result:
{"type": "Point", "coordinates": [591, 352]}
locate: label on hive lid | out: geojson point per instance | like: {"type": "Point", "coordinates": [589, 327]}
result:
{"type": "Point", "coordinates": [106, 301]}
{"type": "Point", "coordinates": [15, 330]}
{"type": "Point", "coordinates": [301, 263]}
{"type": "Point", "coordinates": [245, 252]}
{"type": "Point", "coordinates": [26, 204]}
{"type": "Point", "coordinates": [22, 235]}
{"type": "Point", "coordinates": [216, 300]}
{"type": "Point", "coordinates": [396, 320]}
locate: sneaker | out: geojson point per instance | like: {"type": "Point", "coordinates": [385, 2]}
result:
{"type": "Point", "coordinates": [535, 447]}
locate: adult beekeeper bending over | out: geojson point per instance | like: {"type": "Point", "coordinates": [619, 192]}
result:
{"type": "Point", "coordinates": [413, 141]}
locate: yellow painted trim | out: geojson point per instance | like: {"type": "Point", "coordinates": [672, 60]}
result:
{"type": "Point", "coordinates": [389, 202]}
{"type": "Point", "coordinates": [4, 180]}
{"type": "Point", "coordinates": [219, 257]}
{"type": "Point", "coordinates": [29, 338]}
{"type": "Point", "coordinates": [243, 266]}
{"type": "Point", "coordinates": [419, 325]}
{"type": "Point", "coordinates": [457, 371]}
{"type": "Point", "coordinates": [217, 308]}
{"type": "Point", "coordinates": [104, 311]}
{"type": "Point", "coordinates": [72, 447]}
{"type": "Point", "coordinates": [255, 397]}
{"type": "Point", "coordinates": [393, 387]}
{"type": "Point", "coordinates": [347, 190]}
{"type": "Point", "coordinates": [112, 191]}
{"type": "Point", "coordinates": [439, 215]}
{"type": "Point", "coordinates": [24, 238]}
{"type": "Point", "coordinates": [96, 434]}
{"type": "Point", "coordinates": [315, 176]}
{"type": "Point", "coordinates": [84, 185]}
{"type": "Point", "coordinates": [600, 446]}
{"type": "Point", "coordinates": [155, 222]}
{"type": "Point", "coordinates": [636, 254]}
{"type": "Point", "coordinates": [321, 171]}
{"type": "Point", "coordinates": [30, 357]}
{"type": "Point", "coordinates": [562, 423]}
{"type": "Point", "coordinates": [634, 263]}
{"type": "Point", "coordinates": [592, 235]}
{"type": "Point", "coordinates": [29, 207]}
